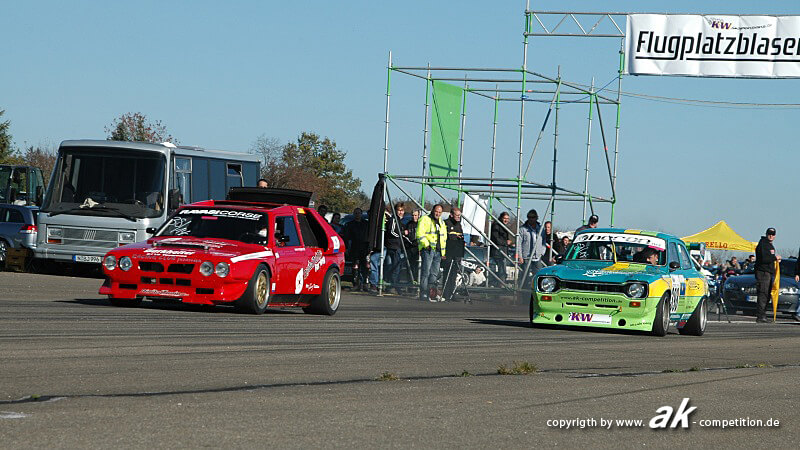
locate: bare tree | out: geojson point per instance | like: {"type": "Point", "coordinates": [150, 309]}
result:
{"type": "Point", "coordinates": [135, 127]}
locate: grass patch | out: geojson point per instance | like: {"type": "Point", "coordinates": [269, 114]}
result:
{"type": "Point", "coordinates": [387, 376]}
{"type": "Point", "coordinates": [464, 373]}
{"type": "Point", "coordinates": [761, 365]}
{"type": "Point", "coordinates": [519, 368]}
{"type": "Point", "coordinates": [671, 371]}
{"type": "Point", "coordinates": [694, 369]}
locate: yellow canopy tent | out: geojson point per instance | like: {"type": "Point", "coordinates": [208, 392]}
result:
{"type": "Point", "coordinates": [722, 237]}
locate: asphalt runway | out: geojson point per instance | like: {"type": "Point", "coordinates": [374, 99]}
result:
{"type": "Point", "coordinates": [387, 372]}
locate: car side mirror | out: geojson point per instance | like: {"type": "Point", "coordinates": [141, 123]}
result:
{"type": "Point", "coordinates": [174, 198]}
{"type": "Point", "coordinates": [674, 265]}
{"type": "Point", "coordinates": [150, 230]}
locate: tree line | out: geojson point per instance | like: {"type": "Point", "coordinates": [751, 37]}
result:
{"type": "Point", "coordinates": [311, 162]}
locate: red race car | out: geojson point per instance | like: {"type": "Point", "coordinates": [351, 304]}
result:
{"type": "Point", "coordinates": [259, 248]}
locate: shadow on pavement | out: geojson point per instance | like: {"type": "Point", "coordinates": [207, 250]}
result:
{"type": "Point", "coordinates": [174, 305]}
{"type": "Point", "coordinates": [504, 323]}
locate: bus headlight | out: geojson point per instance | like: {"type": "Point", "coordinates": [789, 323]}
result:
{"type": "Point", "coordinates": [125, 263]}
{"type": "Point", "coordinates": [207, 268]}
{"type": "Point", "coordinates": [127, 236]}
{"type": "Point", "coordinates": [223, 269]}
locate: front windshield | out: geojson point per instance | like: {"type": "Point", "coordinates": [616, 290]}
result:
{"type": "Point", "coordinates": [5, 178]}
{"type": "Point", "coordinates": [618, 247]}
{"type": "Point", "coordinates": [98, 180]}
{"type": "Point", "coordinates": [244, 226]}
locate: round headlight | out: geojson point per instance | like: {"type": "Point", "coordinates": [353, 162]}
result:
{"type": "Point", "coordinates": [207, 268]}
{"type": "Point", "coordinates": [547, 284]}
{"type": "Point", "coordinates": [635, 290]}
{"type": "Point", "coordinates": [110, 262]}
{"type": "Point", "coordinates": [223, 269]}
{"type": "Point", "coordinates": [125, 263]}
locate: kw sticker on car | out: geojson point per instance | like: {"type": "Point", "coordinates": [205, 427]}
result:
{"type": "Point", "coordinates": [589, 318]}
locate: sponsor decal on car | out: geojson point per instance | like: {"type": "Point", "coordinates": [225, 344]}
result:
{"type": "Point", "coordinates": [222, 213]}
{"type": "Point", "coordinates": [336, 243]}
{"type": "Point", "coordinates": [585, 298]}
{"type": "Point", "coordinates": [161, 293]}
{"type": "Point", "coordinates": [169, 252]}
{"type": "Point", "coordinates": [650, 241]}
{"type": "Point", "coordinates": [589, 318]}
{"type": "Point", "coordinates": [256, 255]}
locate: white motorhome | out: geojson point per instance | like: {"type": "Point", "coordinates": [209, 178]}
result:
{"type": "Point", "coordinates": [104, 194]}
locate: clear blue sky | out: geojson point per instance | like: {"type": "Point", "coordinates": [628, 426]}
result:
{"type": "Point", "coordinates": [220, 74]}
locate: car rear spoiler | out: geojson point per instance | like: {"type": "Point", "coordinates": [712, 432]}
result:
{"type": "Point", "coordinates": [271, 196]}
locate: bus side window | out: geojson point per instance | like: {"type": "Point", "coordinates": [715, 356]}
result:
{"type": "Point", "coordinates": [183, 178]}
{"type": "Point", "coordinates": [234, 174]}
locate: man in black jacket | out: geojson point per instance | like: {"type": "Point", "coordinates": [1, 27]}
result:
{"type": "Point", "coordinates": [765, 272]}
{"type": "Point", "coordinates": [356, 237]}
{"type": "Point", "coordinates": [501, 238]}
{"type": "Point", "coordinates": [393, 240]}
{"type": "Point", "coordinates": [454, 252]}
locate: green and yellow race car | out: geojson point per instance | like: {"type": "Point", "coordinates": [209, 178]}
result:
{"type": "Point", "coordinates": [623, 279]}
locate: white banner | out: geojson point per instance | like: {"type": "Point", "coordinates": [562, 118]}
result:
{"type": "Point", "coordinates": [474, 213]}
{"type": "Point", "coordinates": [713, 45]}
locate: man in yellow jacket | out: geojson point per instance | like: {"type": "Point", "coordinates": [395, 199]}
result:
{"type": "Point", "coordinates": [432, 239]}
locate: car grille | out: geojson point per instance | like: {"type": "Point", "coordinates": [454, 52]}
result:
{"type": "Point", "coordinates": [149, 266]}
{"type": "Point", "coordinates": [90, 237]}
{"type": "Point", "coordinates": [613, 288]}
{"type": "Point", "coordinates": [750, 290]}
{"type": "Point", "coordinates": [152, 266]}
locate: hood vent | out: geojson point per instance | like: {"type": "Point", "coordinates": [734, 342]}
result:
{"type": "Point", "coordinates": [181, 245]}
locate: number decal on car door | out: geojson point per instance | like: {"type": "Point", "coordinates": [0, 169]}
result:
{"type": "Point", "coordinates": [678, 287]}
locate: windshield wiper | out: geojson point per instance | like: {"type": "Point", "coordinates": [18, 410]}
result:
{"type": "Point", "coordinates": [95, 208]}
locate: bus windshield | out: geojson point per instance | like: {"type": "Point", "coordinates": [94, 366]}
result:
{"type": "Point", "coordinates": [5, 179]}
{"type": "Point", "coordinates": [92, 181]}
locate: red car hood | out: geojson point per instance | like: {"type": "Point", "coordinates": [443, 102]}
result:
{"type": "Point", "coordinates": [190, 247]}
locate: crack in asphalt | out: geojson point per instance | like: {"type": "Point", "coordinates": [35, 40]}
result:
{"type": "Point", "coordinates": [254, 387]}
{"type": "Point", "coordinates": [668, 371]}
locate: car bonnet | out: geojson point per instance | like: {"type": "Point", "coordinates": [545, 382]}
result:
{"type": "Point", "coordinates": [604, 271]}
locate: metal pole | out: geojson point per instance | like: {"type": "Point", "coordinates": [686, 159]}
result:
{"type": "Point", "coordinates": [555, 159]}
{"type": "Point", "coordinates": [522, 127]}
{"type": "Point", "coordinates": [588, 148]}
{"type": "Point", "coordinates": [461, 139]}
{"type": "Point", "coordinates": [491, 176]}
{"type": "Point", "coordinates": [425, 132]}
{"type": "Point", "coordinates": [616, 130]}
{"type": "Point", "coordinates": [386, 130]}
{"type": "Point", "coordinates": [382, 218]}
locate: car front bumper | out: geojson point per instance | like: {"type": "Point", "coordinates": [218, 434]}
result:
{"type": "Point", "coordinates": [746, 301]}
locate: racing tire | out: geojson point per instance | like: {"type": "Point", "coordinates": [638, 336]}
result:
{"type": "Point", "coordinates": [327, 302]}
{"type": "Point", "coordinates": [696, 325]}
{"type": "Point", "coordinates": [661, 320]}
{"type": "Point", "coordinates": [125, 302]}
{"type": "Point", "coordinates": [256, 296]}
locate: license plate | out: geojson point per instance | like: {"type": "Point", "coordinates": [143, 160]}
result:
{"type": "Point", "coordinates": [752, 298]}
{"type": "Point", "coordinates": [589, 318]}
{"type": "Point", "coordinates": [88, 259]}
